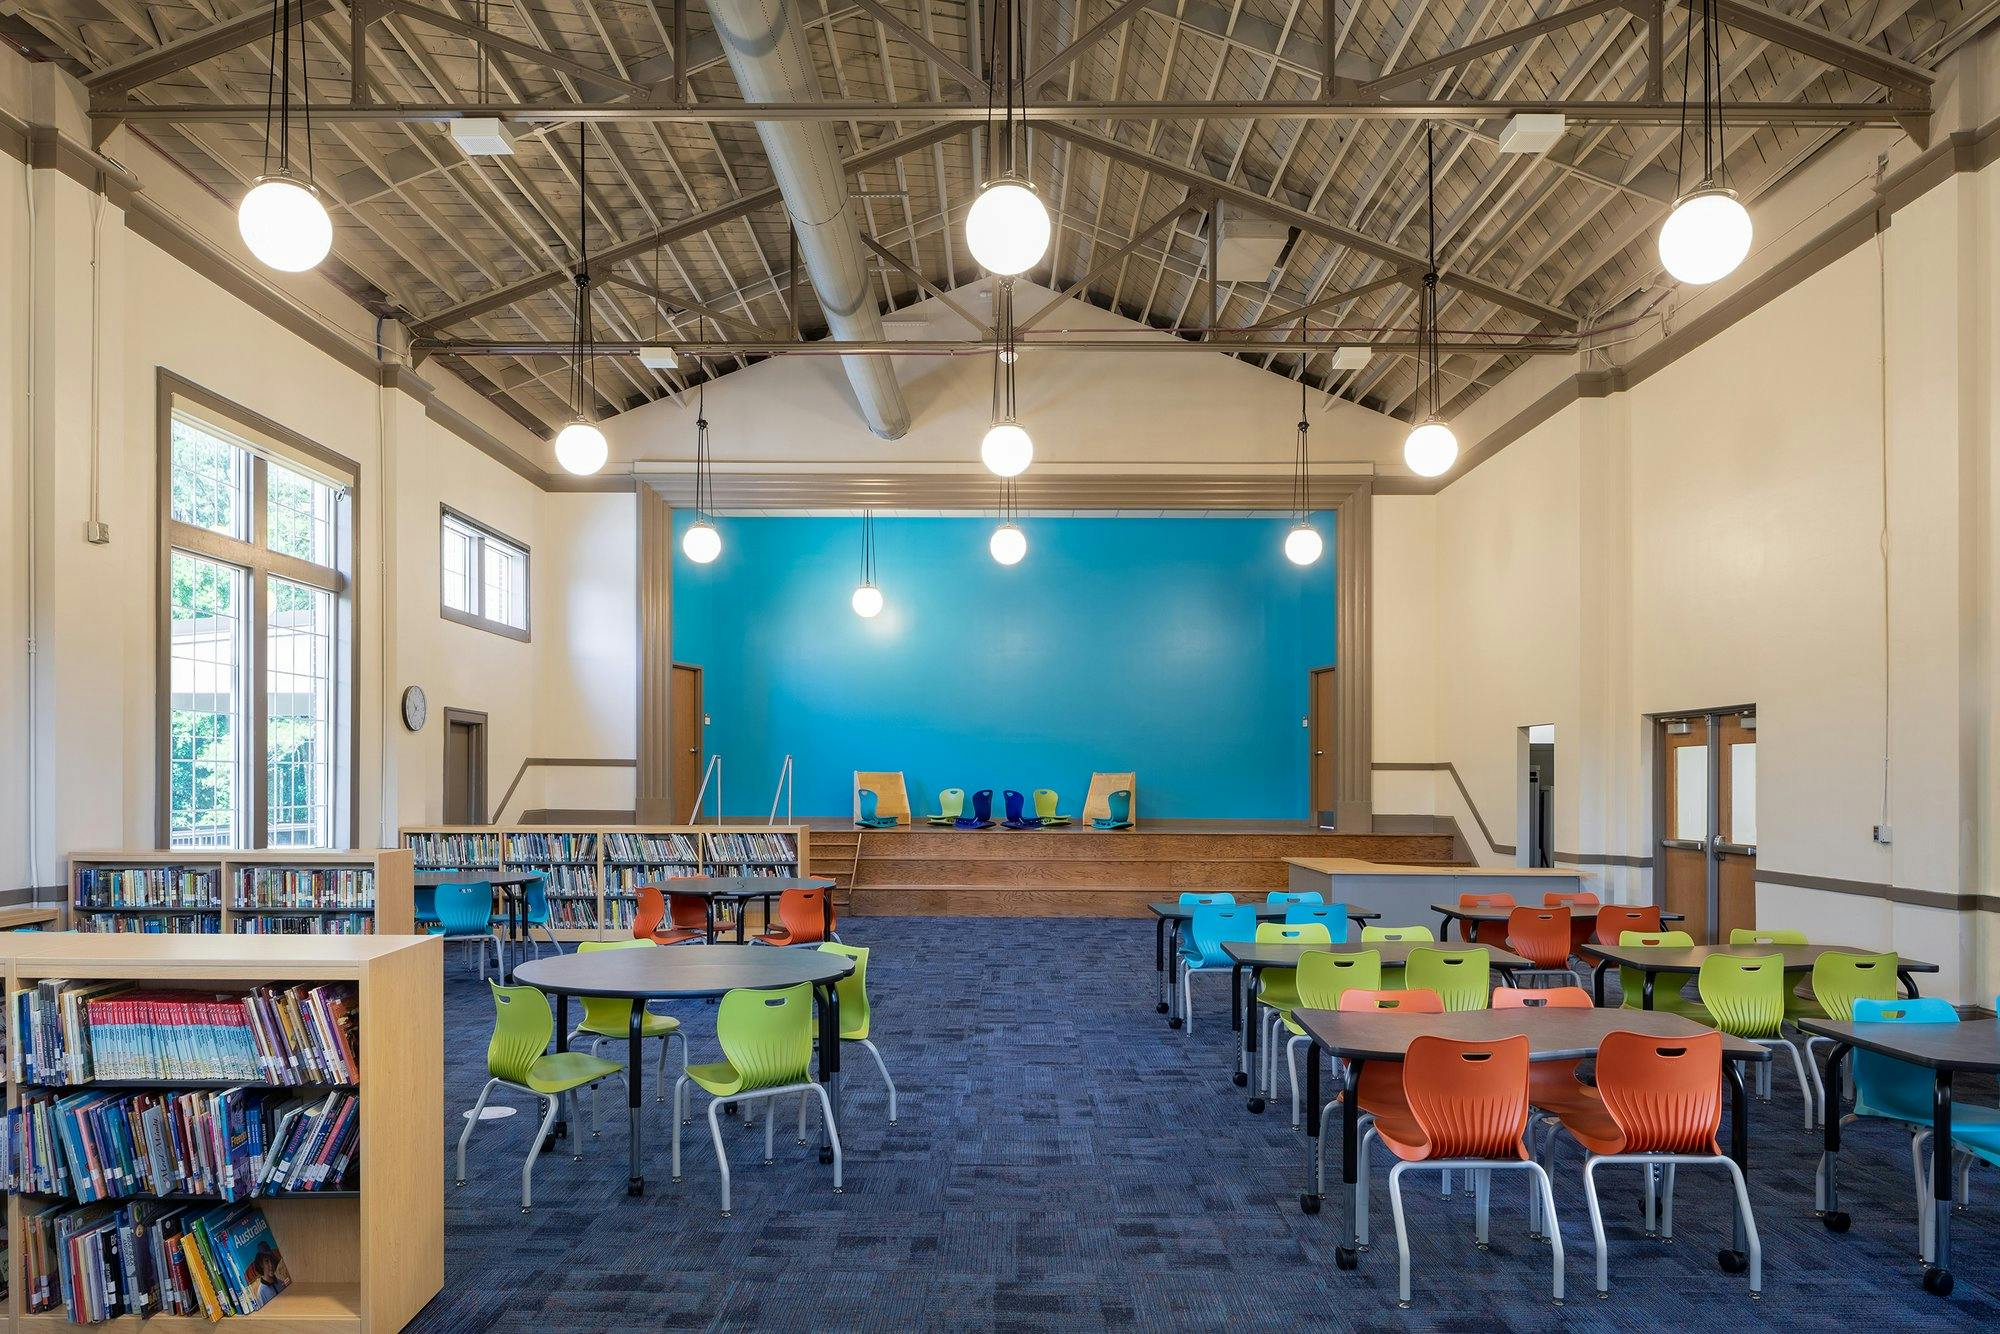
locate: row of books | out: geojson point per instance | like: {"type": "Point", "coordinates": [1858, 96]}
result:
{"type": "Point", "coordinates": [648, 848]}
{"type": "Point", "coordinates": [629, 878]}
{"type": "Point", "coordinates": [228, 1143]}
{"type": "Point", "coordinates": [194, 922]}
{"type": "Point", "coordinates": [454, 850]}
{"type": "Point", "coordinates": [562, 879]}
{"type": "Point", "coordinates": [307, 924]}
{"type": "Point", "coordinates": [549, 847]}
{"type": "Point", "coordinates": [619, 913]}
{"type": "Point", "coordinates": [98, 1262]}
{"type": "Point", "coordinates": [305, 887]}
{"type": "Point", "coordinates": [565, 914]}
{"type": "Point", "coordinates": [744, 848]}
{"type": "Point", "coordinates": [148, 887]}
{"type": "Point", "coordinates": [75, 1032]}
{"type": "Point", "coordinates": [754, 870]}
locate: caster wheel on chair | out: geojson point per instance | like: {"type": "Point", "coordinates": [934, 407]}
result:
{"type": "Point", "coordinates": [1732, 1262]}
{"type": "Point", "coordinates": [1174, 1022]}
{"type": "Point", "coordinates": [729, 1109]}
{"type": "Point", "coordinates": [1309, 1203]}
{"type": "Point", "coordinates": [1161, 1007]}
{"type": "Point", "coordinates": [1239, 1079]}
{"type": "Point", "coordinates": [769, 1161]}
{"type": "Point", "coordinates": [825, 1154]}
{"type": "Point", "coordinates": [1256, 1105]}
{"type": "Point", "coordinates": [1836, 1220]}
{"type": "Point", "coordinates": [1938, 1282]}
{"type": "Point", "coordinates": [1346, 1258]}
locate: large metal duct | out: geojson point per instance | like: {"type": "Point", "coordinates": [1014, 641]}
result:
{"type": "Point", "coordinates": [765, 42]}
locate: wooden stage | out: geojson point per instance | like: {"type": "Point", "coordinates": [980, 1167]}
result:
{"type": "Point", "coordinates": [1077, 871]}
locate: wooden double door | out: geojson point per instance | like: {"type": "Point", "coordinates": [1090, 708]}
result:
{"type": "Point", "coordinates": [1707, 818]}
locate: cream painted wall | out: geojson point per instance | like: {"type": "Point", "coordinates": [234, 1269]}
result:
{"type": "Point", "coordinates": [586, 646]}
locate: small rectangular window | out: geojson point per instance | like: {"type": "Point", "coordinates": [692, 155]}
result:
{"type": "Point", "coordinates": [483, 577]}
{"type": "Point", "coordinates": [211, 480]}
{"type": "Point", "coordinates": [299, 741]}
{"type": "Point", "coordinates": [207, 711]}
{"type": "Point", "coordinates": [298, 515]}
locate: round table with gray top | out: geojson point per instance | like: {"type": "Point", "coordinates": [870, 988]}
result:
{"type": "Point", "coordinates": [686, 972]}
{"type": "Point", "coordinates": [740, 889]}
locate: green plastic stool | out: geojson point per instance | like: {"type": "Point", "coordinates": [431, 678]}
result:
{"type": "Point", "coordinates": [951, 805]}
{"type": "Point", "coordinates": [1045, 807]}
{"type": "Point", "coordinates": [517, 1056]}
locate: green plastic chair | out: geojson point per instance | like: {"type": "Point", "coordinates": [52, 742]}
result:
{"type": "Point", "coordinates": [1045, 807]}
{"type": "Point", "coordinates": [767, 1046]}
{"type": "Point", "coordinates": [1323, 977]}
{"type": "Point", "coordinates": [1840, 978]}
{"type": "Point", "coordinates": [517, 1056]}
{"type": "Point", "coordinates": [1278, 989]}
{"type": "Point", "coordinates": [608, 1019]}
{"type": "Point", "coordinates": [1668, 992]}
{"type": "Point", "coordinates": [951, 805]}
{"type": "Point", "coordinates": [1392, 973]}
{"type": "Point", "coordinates": [1767, 935]}
{"type": "Point", "coordinates": [854, 1020]}
{"type": "Point", "coordinates": [1458, 975]}
{"type": "Point", "coordinates": [1745, 998]}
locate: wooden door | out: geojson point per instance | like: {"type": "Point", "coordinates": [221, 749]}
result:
{"type": "Point", "coordinates": [1685, 824]}
{"type": "Point", "coordinates": [1319, 740]}
{"type": "Point", "coordinates": [1736, 823]}
{"type": "Point", "coordinates": [684, 775]}
{"type": "Point", "coordinates": [464, 767]}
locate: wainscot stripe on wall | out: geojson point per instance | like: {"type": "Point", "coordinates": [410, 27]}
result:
{"type": "Point", "coordinates": [1874, 889]}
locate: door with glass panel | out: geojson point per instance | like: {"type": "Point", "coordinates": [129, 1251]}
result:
{"type": "Point", "coordinates": [1707, 818]}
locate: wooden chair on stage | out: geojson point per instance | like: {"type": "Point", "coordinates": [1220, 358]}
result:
{"type": "Point", "coordinates": [887, 794]}
{"type": "Point", "coordinates": [1098, 805]}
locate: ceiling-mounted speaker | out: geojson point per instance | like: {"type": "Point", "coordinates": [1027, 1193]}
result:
{"type": "Point", "coordinates": [659, 357]}
{"type": "Point", "coordinates": [483, 136]}
{"type": "Point", "coordinates": [1352, 358]}
{"type": "Point", "coordinates": [1532, 133]}
{"type": "Point", "coordinates": [1247, 245]}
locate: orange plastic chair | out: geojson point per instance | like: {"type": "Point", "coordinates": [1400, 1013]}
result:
{"type": "Point", "coordinates": [1485, 933]}
{"type": "Point", "coordinates": [690, 917]}
{"type": "Point", "coordinates": [1580, 924]}
{"type": "Point", "coordinates": [1659, 1104]}
{"type": "Point", "coordinates": [1552, 1085]}
{"type": "Point", "coordinates": [1541, 936]}
{"type": "Point", "coordinates": [1461, 1105]}
{"type": "Point", "coordinates": [802, 919]}
{"type": "Point", "coordinates": [1613, 918]}
{"type": "Point", "coordinates": [1420, 1001]}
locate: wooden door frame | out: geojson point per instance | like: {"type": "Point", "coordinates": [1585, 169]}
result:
{"type": "Point", "coordinates": [676, 799]}
{"type": "Point", "coordinates": [1315, 810]}
{"type": "Point", "coordinates": [477, 718]}
{"type": "Point", "coordinates": [1712, 718]}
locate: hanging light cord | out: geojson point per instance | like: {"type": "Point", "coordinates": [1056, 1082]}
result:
{"type": "Point", "coordinates": [1427, 309]}
{"type": "Point", "coordinates": [1301, 477]}
{"type": "Point", "coordinates": [1004, 355]}
{"type": "Point", "coordinates": [704, 481]}
{"type": "Point", "coordinates": [868, 547]}
{"type": "Point", "coordinates": [583, 378]}
{"type": "Point", "coordinates": [1712, 129]}
{"type": "Point", "coordinates": [278, 95]}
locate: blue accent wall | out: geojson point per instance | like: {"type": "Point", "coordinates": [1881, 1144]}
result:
{"type": "Point", "coordinates": [1177, 648]}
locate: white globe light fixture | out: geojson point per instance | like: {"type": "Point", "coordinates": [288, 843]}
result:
{"type": "Point", "coordinates": [284, 224]}
{"type": "Point", "coordinates": [1706, 236]}
{"type": "Point", "coordinates": [867, 601]}
{"type": "Point", "coordinates": [1008, 544]}
{"type": "Point", "coordinates": [1007, 229]}
{"type": "Point", "coordinates": [1431, 449]}
{"type": "Point", "coordinates": [1007, 449]}
{"type": "Point", "coordinates": [701, 543]}
{"type": "Point", "coordinates": [1303, 544]}
{"type": "Point", "coordinates": [581, 448]}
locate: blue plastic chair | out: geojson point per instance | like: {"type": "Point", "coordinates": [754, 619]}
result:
{"type": "Point", "coordinates": [423, 900]}
{"type": "Point", "coordinates": [1017, 816]}
{"type": "Point", "coordinates": [1333, 914]}
{"type": "Point", "coordinates": [465, 914]}
{"type": "Point", "coordinates": [1196, 898]}
{"type": "Point", "coordinates": [1212, 927]}
{"type": "Point", "coordinates": [536, 914]}
{"type": "Point", "coordinates": [1118, 806]}
{"type": "Point", "coordinates": [869, 800]}
{"type": "Point", "coordinates": [982, 812]}
{"type": "Point", "coordinates": [1295, 896]}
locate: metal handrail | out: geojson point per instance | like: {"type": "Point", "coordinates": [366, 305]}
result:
{"type": "Point", "coordinates": [784, 789]}
{"type": "Point", "coordinates": [715, 768]}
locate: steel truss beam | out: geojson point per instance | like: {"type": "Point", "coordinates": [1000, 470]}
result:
{"type": "Point", "coordinates": [1579, 112]}
{"type": "Point", "coordinates": [482, 347]}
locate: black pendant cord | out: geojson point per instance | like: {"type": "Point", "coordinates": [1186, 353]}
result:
{"type": "Point", "coordinates": [583, 378]}
{"type": "Point", "coordinates": [1427, 313]}
{"type": "Point", "coordinates": [1005, 354]}
{"type": "Point", "coordinates": [1713, 166]}
{"type": "Point", "coordinates": [1301, 472]}
{"type": "Point", "coordinates": [278, 96]}
{"type": "Point", "coordinates": [704, 480]}
{"type": "Point", "coordinates": [868, 548]}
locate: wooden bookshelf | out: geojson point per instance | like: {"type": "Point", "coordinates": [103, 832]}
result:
{"type": "Point", "coordinates": [362, 1261]}
{"type": "Point", "coordinates": [596, 868]}
{"type": "Point", "coordinates": [392, 911]}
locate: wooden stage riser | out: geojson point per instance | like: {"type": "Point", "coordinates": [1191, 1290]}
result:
{"type": "Point", "coordinates": [1023, 873]}
{"type": "Point", "coordinates": [1010, 843]}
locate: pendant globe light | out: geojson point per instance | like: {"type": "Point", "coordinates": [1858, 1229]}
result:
{"type": "Point", "coordinates": [1430, 449]}
{"type": "Point", "coordinates": [1007, 228]}
{"type": "Point", "coordinates": [1007, 448]}
{"type": "Point", "coordinates": [1708, 232]}
{"type": "Point", "coordinates": [1008, 544]}
{"type": "Point", "coordinates": [281, 219]}
{"type": "Point", "coordinates": [867, 599]}
{"type": "Point", "coordinates": [580, 446]}
{"type": "Point", "coordinates": [701, 543]}
{"type": "Point", "coordinates": [1302, 544]}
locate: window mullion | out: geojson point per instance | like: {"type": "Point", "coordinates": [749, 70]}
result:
{"type": "Point", "coordinates": [260, 711]}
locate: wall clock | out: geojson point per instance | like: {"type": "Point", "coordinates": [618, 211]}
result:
{"type": "Point", "coordinates": [415, 708]}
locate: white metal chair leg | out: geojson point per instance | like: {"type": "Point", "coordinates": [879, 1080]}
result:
{"type": "Point", "coordinates": [832, 1132]}
{"type": "Point", "coordinates": [888, 1083]}
{"type": "Point", "coordinates": [1806, 1086]}
{"type": "Point", "coordinates": [1482, 1194]}
{"type": "Point", "coordinates": [1750, 1238]}
{"type": "Point", "coordinates": [1667, 1203]}
{"type": "Point", "coordinates": [534, 1152]}
{"type": "Point", "coordinates": [1819, 1085]}
{"type": "Point", "coordinates": [1292, 1071]}
{"type": "Point", "coordinates": [1597, 1223]}
{"type": "Point", "coordinates": [1402, 1234]}
{"type": "Point", "coordinates": [1555, 1232]}
{"type": "Point", "coordinates": [680, 1096]}
{"type": "Point", "coordinates": [770, 1132]}
{"type": "Point", "coordinates": [721, 1154]}
{"type": "Point", "coordinates": [478, 1106]}
{"type": "Point", "coordinates": [1652, 1202]}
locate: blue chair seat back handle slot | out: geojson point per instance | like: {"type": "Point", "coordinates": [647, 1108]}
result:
{"type": "Point", "coordinates": [1295, 896]}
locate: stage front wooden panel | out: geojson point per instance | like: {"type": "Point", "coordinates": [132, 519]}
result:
{"type": "Point", "coordinates": [1082, 872]}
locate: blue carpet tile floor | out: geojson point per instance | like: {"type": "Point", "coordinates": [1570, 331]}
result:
{"type": "Point", "coordinates": [1064, 1160]}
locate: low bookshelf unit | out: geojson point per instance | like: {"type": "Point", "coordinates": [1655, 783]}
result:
{"type": "Point", "coordinates": [337, 1058]}
{"type": "Point", "coordinates": [276, 892]}
{"type": "Point", "coordinates": [594, 871]}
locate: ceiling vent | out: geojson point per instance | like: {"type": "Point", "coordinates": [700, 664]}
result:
{"type": "Point", "coordinates": [1247, 245]}
{"type": "Point", "coordinates": [1532, 133]}
{"type": "Point", "coordinates": [659, 357]}
{"type": "Point", "coordinates": [1352, 358]}
{"type": "Point", "coordinates": [483, 136]}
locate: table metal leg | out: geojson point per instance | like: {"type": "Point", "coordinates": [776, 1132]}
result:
{"type": "Point", "coordinates": [1646, 995]}
{"type": "Point", "coordinates": [1174, 1018]}
{"type": "Point", "coordinates": [635, 1068]}
{"type": "Point", "coordinates": [829, 1062]}
{"type": "Point", "coordinates": [1252, 1022]}
{"type": "Point", "coordinates": [742, 918]}
{"type": "Point", "coordinates": [1734, 1260]}
{"type": "Point", "coordinates": [560, 1131]}
{"type": "Point", "coordinates": [1937, 1278]}
{"type": "Point", "coordinates": [1909, 980]}
{"type": "Point", "coordinates": [1160, 961]}
{"type": "Point", "coordinates": [1309, 1200]}
{"type": "Point", "coordinates": [1348, 1256]}
{"type": "Point", "coordinates": [1597, 973]}
{"type": "Point", "coordinates": [1829, 1187]}
{"type": "Point", "coordinates": [708, 924]}
{"type": "Point", "coordinates": [1444, 928]}
{"type": "Point", "coordinates": [1242, 1075]}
